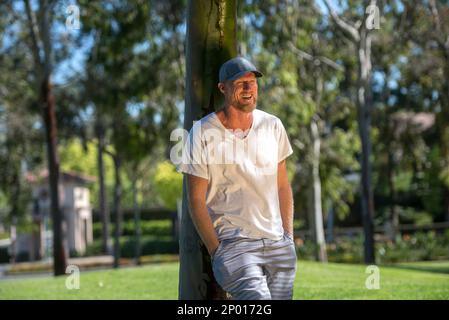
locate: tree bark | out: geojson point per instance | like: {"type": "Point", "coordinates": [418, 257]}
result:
{"type": "Point", "coordinates": [394, 215]}
{"type": "Point", "coordinates": [48, 109]}
{"type": "Point", "coordinates": [43, 69]}
{"type": "Point", "coordinates": [137, 229]}
{"type": "Point", "coordinates": [315, 209]}
{"type": "Point", "coordinates": [444, 133]}
{"type": "Point", "coordinates": [117, 210]}
{"type": "Point", "coordinates": [364, 105]}
{"type": "Point", "coordinates": [361, 37]}
{"type": "Point", "coordinates": [211, 40]}
{"type": "Point", "coordinates": [103, 210]}
{"type": "Point", "coordinates": [14, 213]}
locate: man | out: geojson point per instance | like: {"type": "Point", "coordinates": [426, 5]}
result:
{"type": "Point", "coordinates": [239, 196]}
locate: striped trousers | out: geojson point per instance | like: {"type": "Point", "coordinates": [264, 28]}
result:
{"type": "Point", "coordinates": [256, 269]}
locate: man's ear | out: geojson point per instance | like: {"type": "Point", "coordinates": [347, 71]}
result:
{"type": "Point", "coordinates": [221, 87]}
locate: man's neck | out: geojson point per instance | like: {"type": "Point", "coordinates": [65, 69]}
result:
{"type": "Point", "coordinates": [233, 118]}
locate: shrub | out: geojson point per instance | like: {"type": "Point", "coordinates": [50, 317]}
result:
{"type": "Point", "coordinates": [416, 247]}
{"type": "Point", "coordinates": [148, 228]}
{"type": "Point", "coordinates": [149, 245]}
{"type": "Point", "coordinates": [4, 255]}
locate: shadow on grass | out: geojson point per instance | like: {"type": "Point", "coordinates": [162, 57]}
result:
{"type": "Point", "coordinates": [434, 269]}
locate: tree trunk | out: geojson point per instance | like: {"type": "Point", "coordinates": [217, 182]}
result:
{"type": "Point", "coordinates": [13, 236]}
{"type": "Point", "coordinates": [394, 215]}
{"type": "Point", "coordinates": [361, 37]}
{"type": "Point", "coordinates": [136, 210]}
{"type": "Point", "coordinates": [316, 212]}
{"type": "Point", "coordinates": [43, 69]}
{"type": "Point", "coordinates": [364, 104]}
{"type": "Point", "coordinates": [104, 213]}
{"type": "Point", "coordinates": [444, 135]}
{"type": "Point", "coordinates": [446, 202]}
{"type": "Point", "coordinates": [14, 213]}
{"type": "Point", "coordinates": [48, 108]}
{"type": "Point", "coordinates": [330, 225]}
{"type": "Point", "coordinates": [117, 210]}
{"type": "Point", "coordinates": [211, 40]}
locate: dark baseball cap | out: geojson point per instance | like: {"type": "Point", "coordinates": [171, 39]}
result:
{"type": "Point", "coordinates": [235, 68]}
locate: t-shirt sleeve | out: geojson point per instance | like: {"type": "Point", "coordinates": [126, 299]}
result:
{"type": "Point", "coordinates": [284, 147]}
{"type": "Point", "coordinates": [194, 156]}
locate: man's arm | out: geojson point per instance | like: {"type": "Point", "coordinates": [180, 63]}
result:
{"type": "Point", "coordinates": [285, 198]}
{"type": "Point", "coordinates": [197, 189]}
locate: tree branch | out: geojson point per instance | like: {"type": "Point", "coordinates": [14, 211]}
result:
{"type": "Point", "coordinates": [45, 12]}
{"type": "Point", "coordinates": [310, 57]}
{"type": "Point", "coordinates": [34, 40]}
{"type": "Point", "coordinates": [439, 35]}
{"type": "Point", "coordinates": [343, 25]}
{"type": "Point", "coordinates": [109, 152]}
{"type": "Point", "coordinates": [435, 15]}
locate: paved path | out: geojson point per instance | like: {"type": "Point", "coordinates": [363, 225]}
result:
{"type": "Point", "coordinates": [43, 268]}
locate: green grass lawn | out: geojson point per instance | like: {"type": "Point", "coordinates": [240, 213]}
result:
{"type": "Point", "coordinates": [423, 280]}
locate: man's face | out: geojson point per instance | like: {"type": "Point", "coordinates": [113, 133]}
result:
{"type": "Point", "coordinates": [241, 93]}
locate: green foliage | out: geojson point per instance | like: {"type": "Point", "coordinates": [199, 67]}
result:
{"type": "Point", "coordinates": [410, 215]}
{"type": "Point", "coordinates": [338, 190]}
{"type": "Point", "coordinates": [168, 184]}
{"type": "Point", "coordinates": [83, 159]}
{"type": "Point", "coordinates": [155, 228]}
{"type": "Point", "coordinates": [413, 247]}
{"type": "Point", "coordinates": [416, 247]}
{"type": "Point", "coordinates": [150, 245]}
{"type": "Point", "coordinates": [298, 224]}
{"type": "Point", "coordinates": [133, 83]}
{"type": "Point", "coordinates": [299, 86]}
{"type": "Point", "coordinates": [75, 157]}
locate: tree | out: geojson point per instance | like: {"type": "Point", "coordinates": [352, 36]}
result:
{"type": "Point", "coordinates": [19, 140]}
{"type": "Point", "coordinates": [360, 34]}
{"type": "Point", "coordinates": [429, 72]}
{"type": "Point", "coordinates": [302, 88]}
{"type": "Point", "coordinates": [39, 27]}
{"type": "Point", "coordinates": [117, 29]}
{"type": "Point", "coordinates": [134, 112]}
{"type": "Point", "coordinates": [211, 40]}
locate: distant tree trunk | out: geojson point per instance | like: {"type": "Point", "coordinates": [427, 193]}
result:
{"type": "Point", "coordinates": [103, 210]}
{"type": "Point", "coordinates": [330, 225]}
{"type": "Point", "coordinates": [43, 68]}
{"type": "Point", "coordinates": [362, 39]}
{"type": "Point", "coordinates": [117, 209]}
{"type": "Point", "coordinates": [13, 236]}
{"type": "Point", "coordinates": [14, 213]}
{"type": "Point", "coordinates": [59, 250]}
{"type": "Point", "coordinates": [394, 215]}
{"type": "Point", "coordinates": [211, 40]}
{"type": "Point", "coordinates": [439, 36]}
{"type": "Point", "coordinates": [136, 209]}
{"type": "Point", "coordinates": [315, 208]}
{"type": "Point", "coordinates": [444, 133]}
{"type": "Point", "coordinates": [364, 106]}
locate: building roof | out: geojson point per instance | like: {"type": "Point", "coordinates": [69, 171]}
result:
{"type": "Point", "coordinates": [65, 176]}
{"type": "Point", "coordinates": [412, 122]}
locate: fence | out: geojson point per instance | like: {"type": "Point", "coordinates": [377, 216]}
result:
{"type": "Point", "coordinates": [380, 232]}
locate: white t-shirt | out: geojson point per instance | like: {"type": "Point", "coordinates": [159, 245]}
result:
{"type": "Point", "coordinates": [242, 197]}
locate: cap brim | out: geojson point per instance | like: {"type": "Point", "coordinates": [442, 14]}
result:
{"type": "Point", "coordinates": [258, 74]}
